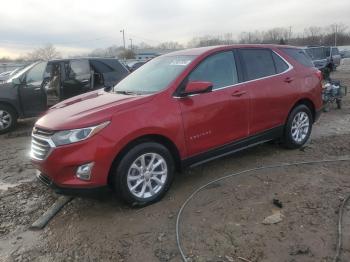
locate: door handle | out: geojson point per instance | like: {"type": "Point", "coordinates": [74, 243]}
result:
{"type": "Point", "coordinates": [288, 79]}
{"type": "Point", "coordinates": [85, 81]}
{"type": "Point", "coordinates": [238, 93]}
{"type": "Point", "coordinates": [37, 89]}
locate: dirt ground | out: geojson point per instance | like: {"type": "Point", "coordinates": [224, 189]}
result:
{"type": "Point", "coordinates": [222, 223]}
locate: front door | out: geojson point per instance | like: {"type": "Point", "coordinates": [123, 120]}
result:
{"type": "Point", "coordinates": [31, 91]}
{"type": "Point", "coordinates": [219, 117]}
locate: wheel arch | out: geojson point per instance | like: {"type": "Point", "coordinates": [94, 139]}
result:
{"type": "Point", "coordinates": [307, 102]}
{"type": "Point", "coordinates": [163, 140]}
{"type": "Point", "coordinates": [15, 109]}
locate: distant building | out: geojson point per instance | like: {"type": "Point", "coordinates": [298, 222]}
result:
{"type": "Point", "coordinates": [147, 54]}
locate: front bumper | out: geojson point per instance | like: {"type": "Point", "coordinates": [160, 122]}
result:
{"type": "Point", "coordinates": [59, 167]}
{"type": "Point", "coordinates": [70, 191]}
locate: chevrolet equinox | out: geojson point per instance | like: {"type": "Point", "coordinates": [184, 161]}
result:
{"type": "Point", "coordinates": [178, 110]}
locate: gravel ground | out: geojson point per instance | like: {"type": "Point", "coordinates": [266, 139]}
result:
{"type": "Point", "coordinates": [223, 223]}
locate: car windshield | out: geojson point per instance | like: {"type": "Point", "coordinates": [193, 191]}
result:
{"type": "Point", "coordinates": [154, 76]}
{"type": "Point", "coordinates": [21, 72]}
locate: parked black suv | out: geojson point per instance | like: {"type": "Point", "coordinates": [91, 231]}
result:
{"type": "Point", "coordinates": [42, 84]}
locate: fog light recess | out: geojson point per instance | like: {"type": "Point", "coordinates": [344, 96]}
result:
{"type": "Point", "coordinates": [84, 171]}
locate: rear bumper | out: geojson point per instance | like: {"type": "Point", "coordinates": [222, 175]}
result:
{"type": "Point", "coordinates": [70, 191]}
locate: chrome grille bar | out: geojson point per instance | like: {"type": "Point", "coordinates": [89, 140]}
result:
{"type": "Point", "coordinates": [41, 145]}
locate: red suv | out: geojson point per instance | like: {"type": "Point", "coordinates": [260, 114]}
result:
{"type": "Point", "coordinates": [178, 110]}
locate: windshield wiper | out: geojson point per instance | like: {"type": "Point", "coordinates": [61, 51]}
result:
{"type": "Point", "coordinates": [123, 92]}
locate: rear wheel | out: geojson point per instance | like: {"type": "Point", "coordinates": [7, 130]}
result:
{"type": "Point", "coordinates": [144, 174]}
{"type": "Point", "coordinates": [298, 128]}
{"type": "Point", "coordinates": [8, 119]}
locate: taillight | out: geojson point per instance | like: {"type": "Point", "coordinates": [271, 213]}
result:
{"type": "Point", "coordinates": [319, 75]}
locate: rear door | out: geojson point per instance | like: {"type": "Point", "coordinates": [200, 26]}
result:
{"type": "Point", "coordinates": [216, 118]}
{"type": "Point", "coordinates": [271, 84]}
{"type": "Point", "coordinates": [77, 78]}
{"type": "Point", "coordinates": [31, 92]}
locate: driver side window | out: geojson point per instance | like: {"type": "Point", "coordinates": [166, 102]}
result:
{"type": "Point", "coordinates": [220, 69]}
{"type": "Point", "coordinates": [35, 75]}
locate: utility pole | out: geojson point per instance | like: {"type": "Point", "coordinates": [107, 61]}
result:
{"type": "Point", "coordinates": [122, 31]}
{"type": "Point", "coordinates": [130, 43]}
{"type": "Point", "coordinates": [335, 34]}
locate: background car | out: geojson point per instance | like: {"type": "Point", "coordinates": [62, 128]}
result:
{"type": "Point", "coordinates": [42, 84]}
{"type": "Point", "coordinates": [6, 75]}
{"type": "Point", "coordinates": [318, 56]}
{"type": "Point", "coordinates": [134, 65]}
{"type": "Point", "coordinates": [345, 53]}
{"type": "Point", "coordinates": [333, 56]}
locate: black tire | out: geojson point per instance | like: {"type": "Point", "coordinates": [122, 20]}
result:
{"type": "Point", "coordinates": [339, 103]}
{"type": "Point", "coordinates": [288, 140]}
{"type": "Point", "coordinates": [10, 114]}
{"type": "Point", "coordinates": [119, 180]}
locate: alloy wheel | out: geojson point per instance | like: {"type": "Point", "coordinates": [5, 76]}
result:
{"type": "Point", "coordinates": [147, 175]}
{"type": "Point", "coordinates": [300, 127]}
{"type": "Point", "coordinates": [5, 119]}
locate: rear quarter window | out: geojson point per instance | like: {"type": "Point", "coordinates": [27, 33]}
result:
{"type": "Point", "coordinates": [281, 66]}
{"type": "Point", "coordinates": [258, 63]}
{"type": "Point", "coordinates": [299, 55]}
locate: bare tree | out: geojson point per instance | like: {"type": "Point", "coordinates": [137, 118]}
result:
{"type": "Point", "coordinates": [111, 51]}
{"type": "Point", "coordinates": [126, 54]}
{"type": "Point", "coordinates": [143, 45]}
{"type": "Point", "coordinates": [170, 45]}
{"type": "Point", "coordinates": [336, 31]}
{"type": "Point", "coordinates": [47, 52]}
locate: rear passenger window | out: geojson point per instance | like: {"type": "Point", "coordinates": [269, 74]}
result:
{"type": "Point", "coordinates": [79, 69]}
{"type": "Point", "coordinates": [258, 63]}
{"type": "Point", "coordinates": [299, 55]}
{"type": "Point", "coordinates": [281, 66]}
{"type": "Point", "coordinates": [220, 69]}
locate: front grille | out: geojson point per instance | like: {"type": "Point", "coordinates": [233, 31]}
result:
{"type": "Point", "coordinates": [40, 148]}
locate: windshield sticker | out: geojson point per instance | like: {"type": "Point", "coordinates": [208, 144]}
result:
{"type": "Point", "coordinates": [180, 62]}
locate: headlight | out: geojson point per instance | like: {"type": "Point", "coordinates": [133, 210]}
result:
{"type": "Point", "coordinates": [71, 136]}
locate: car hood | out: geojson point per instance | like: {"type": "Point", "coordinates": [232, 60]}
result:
{"type": "Point", "coordinates": [88, 109]}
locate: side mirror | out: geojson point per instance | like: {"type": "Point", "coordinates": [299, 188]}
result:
{"type": "Point", "coordinates": [197, 87]}
{"type": "Point", "coordinates": [107, 88]}
{"type": "Point", "coordinates": [16, 81]}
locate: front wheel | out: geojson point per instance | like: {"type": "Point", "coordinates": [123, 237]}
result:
{"type": "Point", "coordinates": [8, 119]}
{"type": "Point", "coordinates": [298, 128]}
{"type": "Point", "coordinates": [144, 174]}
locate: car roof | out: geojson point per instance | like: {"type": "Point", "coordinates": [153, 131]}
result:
{"type": "Point", "coordinates": [82, 58]}
{"type": "Point", "coordinates": [210, 49]}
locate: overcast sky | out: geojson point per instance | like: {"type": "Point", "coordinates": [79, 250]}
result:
{"type": "Point", "coordinates": [77, 26]}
